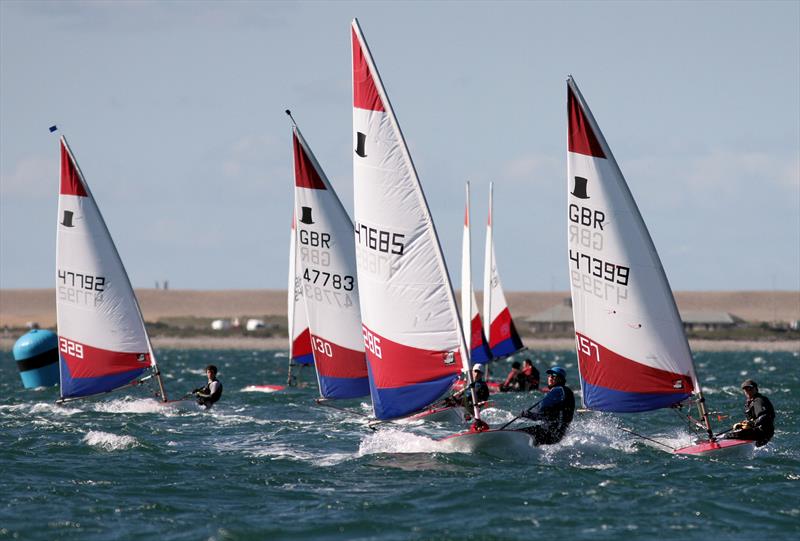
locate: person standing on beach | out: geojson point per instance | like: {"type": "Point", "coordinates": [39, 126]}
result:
{"type": "Point", "coordinates": [207, 396]}
{"type": "Point", "coordinates": [759, 423]}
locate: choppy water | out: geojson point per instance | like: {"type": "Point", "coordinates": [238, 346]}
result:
{"type": "Point", "coordinates": [275, 466]}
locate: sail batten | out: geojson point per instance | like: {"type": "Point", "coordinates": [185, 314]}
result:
{"type": "Point", "coordinates": [411, 326]}
{"type": "Point", "coordinates": [632, 350]}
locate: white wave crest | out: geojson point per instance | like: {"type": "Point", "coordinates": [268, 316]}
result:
{"type": "Point", "coordinates": [58, 409]}
{"type": "Point", "coordinates": [397, 441]}
{"type": "Point", "coordinates": [134, 405]}
{"type": "Point", "coordinates": [109, 442]}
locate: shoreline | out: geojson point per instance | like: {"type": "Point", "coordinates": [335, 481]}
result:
{"type": "Point", "coordinates": [533, 344]}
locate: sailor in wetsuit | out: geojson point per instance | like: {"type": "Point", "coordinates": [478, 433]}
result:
{"type": "Point", "coordinates": [555, 410]}
{"type": "Point", "coordinates": [759, 424]}
{"type": "Point", "coordinates": [208, 395]}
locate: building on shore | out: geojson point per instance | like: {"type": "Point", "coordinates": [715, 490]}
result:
{"type": "Point", "coordinates": [558, 320]}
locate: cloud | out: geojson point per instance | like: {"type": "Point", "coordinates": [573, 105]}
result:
{"type": "Point", "coordinates": [722, 169]}
{"type": "Point", "coordinates": [533, 167]}
{"type": "Point", "coordinates": [33, 177]}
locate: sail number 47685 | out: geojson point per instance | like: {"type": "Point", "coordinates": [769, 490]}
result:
{"type": "Point", "coordinates": [380, 240]}
{"type": "Point", "coordinates": [372, 343]}
{"type": "Point", "coordinates": [70, 348]}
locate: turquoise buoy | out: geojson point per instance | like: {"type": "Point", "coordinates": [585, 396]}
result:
{"type": "Point", "coordinates": [36, 353]}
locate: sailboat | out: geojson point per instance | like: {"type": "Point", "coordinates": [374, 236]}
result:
{"type": "Point", "coordinates": [632, 350]}
{"type": "Point", "coordinates": [480, 352]}
{"type": "Point", "coordinates": [504, 339]}
{"type": "Point", "coordinates": [414, 341]}
{"type": "Point", "coordinates": [327, 269]}
{"type": "Point", "coordinates": [479, 346]}
{"type": "Point", "coordinates": [102, 340]}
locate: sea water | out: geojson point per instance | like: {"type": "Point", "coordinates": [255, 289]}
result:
{"type": "Point", "coordinates": [277, 466]}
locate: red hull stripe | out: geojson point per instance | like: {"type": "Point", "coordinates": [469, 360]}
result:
{"type": "Point", "coordinates": [70, 179]}
{"type": "Point", "coordinates": [613, 371]}
{"type": "Point", "coordinates": [342, 363]}
{"type": "Point", "coordinates": [501, 329]}
{"type": "Point", "coordinates": [96, 362]}
{"type": "Point", "coordinates": [581, 137]}
{"type": "Point", "coordinates": [305, 175]}
{"type": "Point", "coordinates": [365, 93]}
{"type": "Point", "coordinates": [399, 365]}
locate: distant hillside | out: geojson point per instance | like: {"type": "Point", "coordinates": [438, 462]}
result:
{"type": "Point", "coordinates": [18, 306]}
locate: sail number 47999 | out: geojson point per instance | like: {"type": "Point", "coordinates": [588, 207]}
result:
{"type": "Point", "coordinates": [372, 342]}
{"type": "Point", "coordinates": [70, 348]}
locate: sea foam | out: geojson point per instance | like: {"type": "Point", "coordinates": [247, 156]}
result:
{"type": "Point", "coordinates": [108, 441]}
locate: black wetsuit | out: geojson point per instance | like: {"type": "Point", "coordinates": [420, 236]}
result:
{"type": "Point", "coordinates": [206, 396]}
{"type": "Point", "coordinates": [556, 410]}
{"type": "Point", "coordinates": [760, 412]}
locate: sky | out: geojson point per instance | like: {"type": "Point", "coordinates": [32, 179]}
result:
{"type": "Point", "coordinates": [175, 113]}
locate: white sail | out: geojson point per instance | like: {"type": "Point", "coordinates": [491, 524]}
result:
{"type": "Point", "coordinates": [411, 325]}
{"type": "Point", "coordinates": [103, 343]}
{"type": "Point", "coordinates": [499, 326]}
{"type": "Point", "coordinates": [633, 353]}
{"type": "Point", "coordinates": [466, 274]}
{"type": "Point", "coordinates": [327, 268]}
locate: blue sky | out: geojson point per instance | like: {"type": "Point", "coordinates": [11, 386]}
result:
{"type": "Point", "coordinates": [175, 113]}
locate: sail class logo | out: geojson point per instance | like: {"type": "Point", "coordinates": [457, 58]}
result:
{"type": "Point", "coordinates": [67, 221]}
{"type": "Point", "coordinates": [579, 190]}
{"type": "Point", "coordinates": [305, 217]}
{"type": "Point", "coordinates": [361, 140]}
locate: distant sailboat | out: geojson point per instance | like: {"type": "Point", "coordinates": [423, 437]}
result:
{"type": "Point", "coordinates": [103, 343]}
{"type": "Point", "coordinates": [327, 269]}
{"type": "Point", "coordinates": [632, 351]}
{"type": "Point", "coordinates": [413, 337]}
{"type": "Point", "coordinates": [479, 347]}
{"type": "Point", "coordinates": [300, 353]}
{"type": "Point", "coordinates": [503, 337]}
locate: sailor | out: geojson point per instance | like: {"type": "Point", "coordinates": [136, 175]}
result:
{"type": "Point", "coordinates": [512, 382]}
{"type": "Point", "coordinates": [759, 423]}
{"type": "Point", "coordinates": [531, 376]}
{"type": "Point", "coordinates": [208, 395]}
{"type": "Point", "coordinates": [554, 412]}
{"type": "Point", "coordinates": [464, 397]}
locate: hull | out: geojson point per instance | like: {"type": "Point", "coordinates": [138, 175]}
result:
{"type": "Point", "coordinates": [726, 448]}
{"type": "Point", "coordinates": [494, 386]}
{"type": "Point", "coordinates": [263, 388]}
{"type": "Point", "coordinates": [492, 442]}
{"type": "Point", "coordinates": [451, 414]}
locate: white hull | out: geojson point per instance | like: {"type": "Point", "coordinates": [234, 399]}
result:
{"type": "Point", "coordinates": [452, 414]}
{"type": "Point", "coordinates": [503, 443]}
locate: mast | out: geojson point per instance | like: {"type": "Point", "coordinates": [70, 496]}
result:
{"type": "Point", "coordinates": [292, 299]}
{"type": "Point", "coordinates": [466, 302]}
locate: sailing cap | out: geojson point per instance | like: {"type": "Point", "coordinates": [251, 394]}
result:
{"type": "Point", "coordinates": [749, 383]}
{"type": "Point", "coordinates": [477, 367]}
{"type": "Point", "coordinates": [558, 371]}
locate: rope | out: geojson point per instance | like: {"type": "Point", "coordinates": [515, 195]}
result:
{"type": "Point", "coordinates": [646, 438]}
{"type": "Point", "coordinates": [324, 402]}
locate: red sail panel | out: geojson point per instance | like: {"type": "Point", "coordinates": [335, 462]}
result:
{"type": "Point", "coordinates": [70, 178]}
{"type": "Point", "coordinates": [365, 93]}
{"type": "Point", "coordinates": [85, 361]}
{"type": "Point", "coordinates": [305, 174]}
{"type": "Point", "coordinates": [581, 137]}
